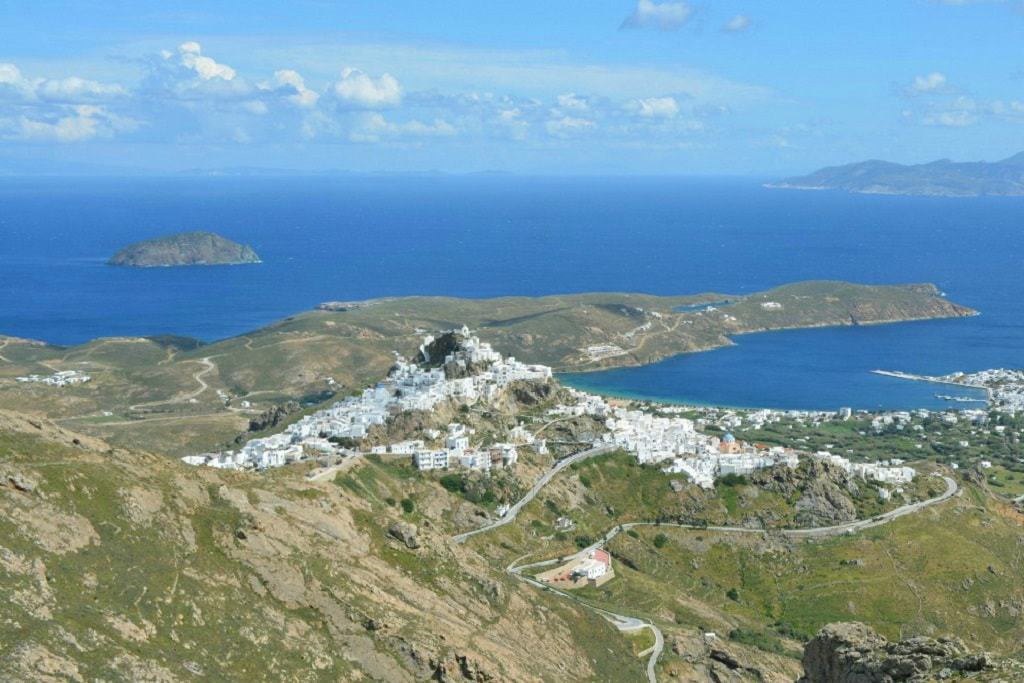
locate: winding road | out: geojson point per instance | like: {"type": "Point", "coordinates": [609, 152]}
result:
{"type": "Point", "coordinates": [532, 493]}
{"type": "Point", "coordinates": [208, 367]}
{"type": "Point", "coordinates": [621, 622]}
{"type": "Point", "coordinates": [627, 623]}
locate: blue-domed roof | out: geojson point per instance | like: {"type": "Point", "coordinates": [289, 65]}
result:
{"type": "Point", "coordinates": [729, 438]}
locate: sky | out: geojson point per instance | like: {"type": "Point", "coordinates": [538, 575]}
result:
{"type": "Point", "coordinates": [689, 87]}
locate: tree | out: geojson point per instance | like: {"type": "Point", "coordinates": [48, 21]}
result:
{"type": "Point", "coordinates": [408, 506]}
{"type": "Point", "coordinates": [660, 540]}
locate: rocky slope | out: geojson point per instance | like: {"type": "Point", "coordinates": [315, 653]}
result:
{"type": "Point", "coordinates": [118, 565]}
{"type": "Point", "coordinates": [184, 249]}
{"type": "Point", "coordinates": [122, 566]}
{"type": "Point", "coordinates": [854, 653]}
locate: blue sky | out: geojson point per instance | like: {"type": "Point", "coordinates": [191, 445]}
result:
{"type": "Point", "coordinates": [597, 87]}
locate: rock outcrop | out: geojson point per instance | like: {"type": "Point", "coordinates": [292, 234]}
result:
{"type": "Point", "coordinates": [406, 533]}
{"type": "Point", "coordinates": [271, 417]}
{"type": "Point", "coordinates": [822, 491]}
{"type": "Point", "coordinates": [854, 653]}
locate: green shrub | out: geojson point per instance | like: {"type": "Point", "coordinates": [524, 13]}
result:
{"type": "Point", "coordinates": [660, 540]}
{"type": "Point", "coordinates": [732, 479]}
{"type": "Point", "coordinates": [408, 506]}
{"type": "Point", "coordinates": [452, 482]}
{"type": "Point", "coordinates": [583, 541]}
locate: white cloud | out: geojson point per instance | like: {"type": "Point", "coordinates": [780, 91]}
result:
{"type": "Point", "coordinates": [290, 81]}
{"type": "Point", "coordinates": [74, 89]}
{"type": "Point", "coordinates": [14, 83]}
{"type": "Point", "coordinates": [738, 24]}
{"type": "Point", "coordinates": [361, 90]}
{"type": "Point", "coordinates": [568, 126]}
{"type": "Point", "coordinates": [933, 82]}
{"type": "Point", "coordinates": [372, 127]}
{"type": "Point", "coordinates": [83, 122]}
{"type": "Point", "coordinates": [539, 73]}
{"type": "Point", "coordinates": [572, 102]}
{"type": "Point", "coordinates": [966, 111]}
{"type": "Point", "coordinates": [191, 57]}
{"type": "Point", "coordinates": [513, 123]}
{"type": "Point", "coordinates": [70, 90]}
{"type": "Point", "coordinates": [665, 16]}
{"type": "Point", "coordinates": [950, 119]}
{"type": "Point", "coordinates": [654, 107]}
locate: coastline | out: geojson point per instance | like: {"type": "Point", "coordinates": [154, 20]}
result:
{"type": "Point", "coordinates": [898, 374]}
{"type": "Point", "coordinates": [730, 342]}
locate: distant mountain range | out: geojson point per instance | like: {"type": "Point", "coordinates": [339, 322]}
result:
{"type": "Point", "coordinates": [943, 178]}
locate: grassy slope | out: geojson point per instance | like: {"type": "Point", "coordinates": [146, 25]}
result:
{"type": "Point", "coordinates": [127, 567]}
{"type": "Point", "coordinates": [166, 583]}
{"type": "Point", "coordinates": [613, 489]}
{"type": "Point", "coordinates": [953, 569]}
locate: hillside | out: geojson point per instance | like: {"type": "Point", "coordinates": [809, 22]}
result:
{"type": "Point", "coordinates": [942, 178]}
{"type": "Point", "coordinates": [119, 565]}
{"type": "Point", "coordinates": [178, 396]}
{"type": "Point", "coordinates": [123, 566]}
{"type": "Point", "coordinates": [184, 249]}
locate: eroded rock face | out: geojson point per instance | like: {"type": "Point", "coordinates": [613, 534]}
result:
{"type": "Point", "coordinates": [854, 653]}
{"type": "Point", "coordinates": [824, 491]}
{"type": "Point", "coordinates": [270, 418]}
{"type": "Point", "coordinates": [406, 533]}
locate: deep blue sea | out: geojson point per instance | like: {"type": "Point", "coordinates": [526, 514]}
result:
{"type": "Point", "coordinates": [357, 237]}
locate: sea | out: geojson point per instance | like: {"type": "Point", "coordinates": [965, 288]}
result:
{"type": "Point", "coordinates": [354, 237]}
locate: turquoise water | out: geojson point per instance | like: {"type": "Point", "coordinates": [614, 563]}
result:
{"type": "Point", "coordinates": [358, 237]}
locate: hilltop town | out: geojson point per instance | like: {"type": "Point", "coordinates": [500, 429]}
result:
{"type": "Point", "coordinates": [472, 373]}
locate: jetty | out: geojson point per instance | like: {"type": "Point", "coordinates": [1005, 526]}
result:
{"type": "Point", "coordinates": [956, 380]}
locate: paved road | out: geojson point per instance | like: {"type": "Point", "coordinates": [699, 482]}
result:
{"type": "Point", "coordinates": [532, 493]}
{"type": "Point", "coordinates": [622, 622]}
{"type": "Point", "coordinates": [628, 623]}
{"type": "Point", "coordinates": [878, 520]}
{"type": "Point", "coordinates": [813, 532]}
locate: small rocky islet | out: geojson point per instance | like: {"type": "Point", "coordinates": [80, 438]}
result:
{"type": "Point", "coordinates": [185, 249]}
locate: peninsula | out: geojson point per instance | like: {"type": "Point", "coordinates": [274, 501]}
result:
{"type": "Point", "coordinates": [184, 249]}
{"type": "Point", "coordinates": [349, 344]}
{"type": "Point", "coordinates": [943, 178]}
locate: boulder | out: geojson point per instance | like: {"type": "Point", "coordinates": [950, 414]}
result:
{"type": "Point", "coordinates": [21, 482]}
{"type": "Point", "coordinates": [406, 533]}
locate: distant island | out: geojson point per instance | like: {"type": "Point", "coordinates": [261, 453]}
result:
{"type": "Point", "coordinates": [943, 178]}
{"type": "Point", "coordinates": [184, 249]}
